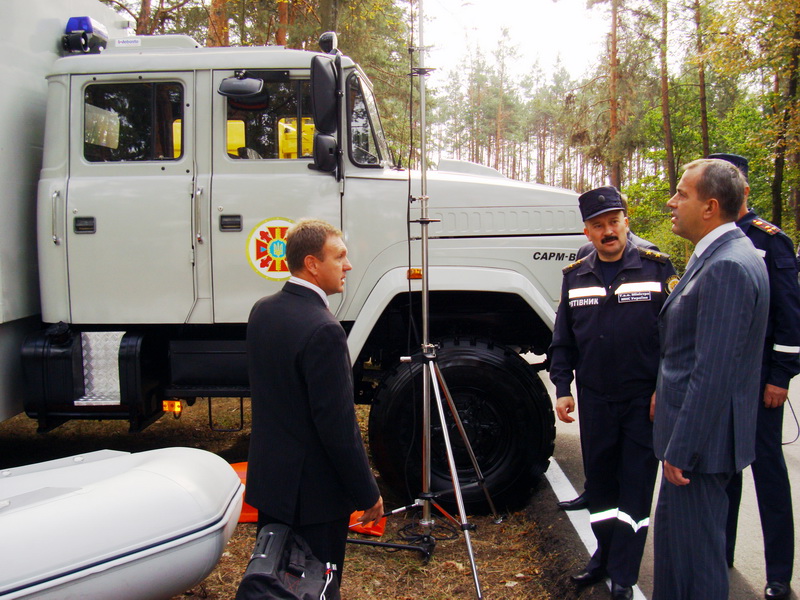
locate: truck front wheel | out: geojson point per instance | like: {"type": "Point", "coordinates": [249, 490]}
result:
{"type": "Point", "coordinates": [505, 410]}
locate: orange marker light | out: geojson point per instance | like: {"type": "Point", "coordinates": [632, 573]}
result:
{"type": "Point", "coordinates": [414, 273]}
{"type": "Point", "coordinates": [172, 406]}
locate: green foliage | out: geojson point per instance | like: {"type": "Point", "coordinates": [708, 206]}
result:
{"type": "Point", "coordinates": [649, 218]}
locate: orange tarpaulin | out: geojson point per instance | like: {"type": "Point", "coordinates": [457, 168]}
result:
{"type": "Point", "coordinates": [250, 514]}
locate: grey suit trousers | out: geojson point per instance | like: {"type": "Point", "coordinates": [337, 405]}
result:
{"type": "Point", "coordinates": [689, 539]}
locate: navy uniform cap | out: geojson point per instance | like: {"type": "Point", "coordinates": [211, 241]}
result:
{"type": "Point", "coordinates": [740, 162]}
{"type": "Point", "coordinates": [598, 201]}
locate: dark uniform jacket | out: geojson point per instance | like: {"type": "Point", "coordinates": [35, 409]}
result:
{"type": "Point", "coordinates": [307, 463]}
{"type": "Point", "coordinates": [781, 359]}
{"type": "Point", "coordinates": [609, 335]}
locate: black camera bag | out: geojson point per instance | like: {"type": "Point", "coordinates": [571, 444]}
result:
{"type": "Point", "coordinates": [282, 567]}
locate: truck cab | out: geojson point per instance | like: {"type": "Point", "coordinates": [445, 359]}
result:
{"type": "Point", "coordinates": [171, 173]}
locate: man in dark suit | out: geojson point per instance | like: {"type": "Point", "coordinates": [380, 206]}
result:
{"type": "Point", "coordinates": [712, 333]}
{"type": "Point", "coordinates": [307, 466]}
{"type": "Point", "coordinates": [781, 362]}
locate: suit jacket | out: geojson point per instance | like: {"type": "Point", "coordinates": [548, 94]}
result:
{"type": "Point", "coordinates": [712, 334]}
{"type": "Point", "coordinates": [307, 463]}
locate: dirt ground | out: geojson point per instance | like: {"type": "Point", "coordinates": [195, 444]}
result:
{"type": "Point", "coordinates": [529, 556]}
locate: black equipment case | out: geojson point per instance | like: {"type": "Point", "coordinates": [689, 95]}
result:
{"type": "Point", "coordinates": [282, 567]}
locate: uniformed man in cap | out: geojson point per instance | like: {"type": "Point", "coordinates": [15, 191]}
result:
{"type": "Point", "coordinates": [579, 503]}
{"type": "Point", "coordinates": [606, 333]}
{"type": "Point", "coordinates": [780, 362]}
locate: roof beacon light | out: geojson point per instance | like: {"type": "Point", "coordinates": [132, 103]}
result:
{"type": "Point", "coordinates": [84, 35]}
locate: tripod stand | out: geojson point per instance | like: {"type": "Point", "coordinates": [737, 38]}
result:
{"type": "Point", "coordinates": [433, 380]}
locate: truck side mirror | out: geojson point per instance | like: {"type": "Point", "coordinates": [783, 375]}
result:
{"type": "Point", "coordinates": [240, 87]}
{"type": "Point", "coordinates": [324, 94]}
{"type": "Point", "coordinates": [326, 157]}
{"type": "Point", "coordinates": [329, 42]}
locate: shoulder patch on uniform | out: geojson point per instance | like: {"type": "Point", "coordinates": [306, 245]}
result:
{"type": "Point", "coordinates": [766, 226]}
{"type": "Point", "coordinates": [671, 282]}
{"type": "Point", "coordinates": [572, 266]}
{"type": "Point", "coordinates": [653, 254]}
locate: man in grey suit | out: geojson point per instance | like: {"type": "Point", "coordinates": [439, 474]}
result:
{"type": "Point", "coordinates": [307, 466]}
{"type": "Point", "coordinates": [712, 330]}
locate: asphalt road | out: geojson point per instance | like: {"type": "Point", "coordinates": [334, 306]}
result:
{"type": "Point", "coordinates": [748, 576]}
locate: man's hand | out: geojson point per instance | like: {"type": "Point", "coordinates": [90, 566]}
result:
{"type": "Point", "coordinates": [564, 406]}
{"type": "Point", "coordinates": [674, 475]}
{"type": "Point", "coordinates": [374, 513]}
{"type": "Point", "coordinates": [774, 396]}
{"type": "Point", "coordinates": [653, 407]}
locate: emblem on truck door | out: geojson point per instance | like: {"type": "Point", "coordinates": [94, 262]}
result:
{"type": "Point", "coordinates": [266, 248]}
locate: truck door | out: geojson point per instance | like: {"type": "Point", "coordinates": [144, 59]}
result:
{"type": "Point", "coordinates": [130, 199]}
{"type": "Point", "coordinates": [261, 184]}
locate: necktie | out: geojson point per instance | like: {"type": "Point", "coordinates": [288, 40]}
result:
{"type": "Point", "coordinates": [690, 264]}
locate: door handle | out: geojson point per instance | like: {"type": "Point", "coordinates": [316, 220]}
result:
{"type": "Point", "coordinates": [198, 214]}
{"type": "Point", "coordinates": [230, 222]}
{"type": "Point", "coordinates": [84, 225]}
{"type": "Point", "coordinates": [54, 216]}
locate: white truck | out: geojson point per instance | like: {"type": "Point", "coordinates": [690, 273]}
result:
{"type": "Point", "coordinates": [169, 177]}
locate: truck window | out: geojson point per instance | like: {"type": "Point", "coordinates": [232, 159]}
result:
{"type": "Point", "coordinates": [133, 121]}
{"type": "Point", "coordinates": [367, 142]}
{"type": "Point", "coordinates": [267, 127]}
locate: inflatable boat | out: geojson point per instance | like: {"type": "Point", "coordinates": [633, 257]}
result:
{"type": "Point", "coordinates": [115, 525]}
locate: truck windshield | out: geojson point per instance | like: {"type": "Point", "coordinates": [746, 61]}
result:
{"type": "Point", "coordinates": [367, 141]}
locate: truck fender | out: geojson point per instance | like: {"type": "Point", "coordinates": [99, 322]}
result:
{"type": "Point", "coordinates": [447, 278]}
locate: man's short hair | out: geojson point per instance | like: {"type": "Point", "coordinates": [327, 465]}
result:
{"type": "Point", "coordinates": [721, 180]}
{"type": "Point", "coordinates": [307, 237]}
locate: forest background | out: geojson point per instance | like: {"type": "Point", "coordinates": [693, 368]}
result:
{"type": "Point", "coordinates": [678, 79]}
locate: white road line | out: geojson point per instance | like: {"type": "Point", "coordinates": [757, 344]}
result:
{"type": "Point", "coordinates": [579, 518]}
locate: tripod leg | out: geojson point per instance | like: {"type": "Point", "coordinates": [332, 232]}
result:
{"type": "Point", "coordinates": [467, 445]}
{"type": "Point", "coordinates": [465, 526]}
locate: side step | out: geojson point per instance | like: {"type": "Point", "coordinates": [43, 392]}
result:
{"type": "Point", "coordinates": [100, 368]}
{"type": "Point", "coordinates": [92, 375]}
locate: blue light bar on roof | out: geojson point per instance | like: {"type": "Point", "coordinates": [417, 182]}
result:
{"type": "Point", "coordinates": [84, 34]}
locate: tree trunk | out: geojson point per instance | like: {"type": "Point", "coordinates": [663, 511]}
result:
{"type": "Point", "coordinates": [217, 24]}
{"type": "Point", "coordinates": [701, 80]}
{"type": "Point", "coordinates": [143, 22]}
{"type": "Point", "coordinates": [497, 133]}
{"type": "Point", "coordinates": [789, 108]}
{"type": "Point", "coordinates": [329, 15]}
{"type": "Point", "coordinates": [242, 24]}
{"type": "Point", "coordinates": [616, 161]}
{"type": "Point", "coordinates": [283, 23]}
{"type": "Point", "coordinates": [794, 195]}
{"type": "Point", "coordinates": [541, 145]}
{"type": "Point", "coordinates": [665, 108]}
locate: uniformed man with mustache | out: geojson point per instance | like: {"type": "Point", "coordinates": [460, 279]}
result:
{"type": "Point", "coordinates": [606, 334]}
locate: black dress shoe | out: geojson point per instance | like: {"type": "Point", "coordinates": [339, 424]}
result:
{"type": "Point", "coordinates": [619, 592]}
{"type": "Point", "coordinates": [578, 503]}
{"type": "Point", "coordinates": [588, 577]}
{"type": "Point", "coordinates": [777, 590]}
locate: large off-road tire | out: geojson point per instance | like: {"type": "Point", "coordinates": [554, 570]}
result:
{"type": "Point", "coordinates": [505, 410]}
